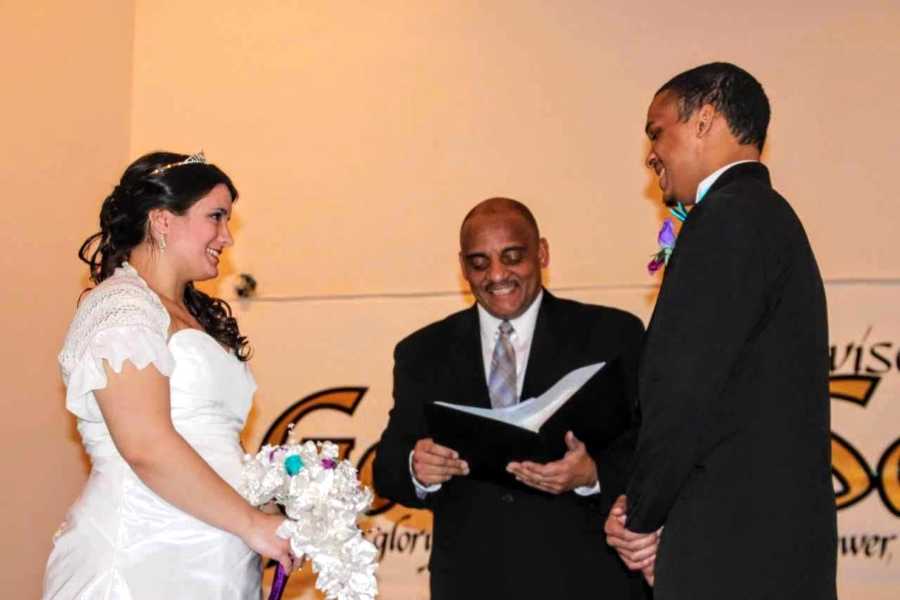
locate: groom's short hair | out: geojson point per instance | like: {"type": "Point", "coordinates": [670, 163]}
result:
{"type": "Point", "coordinates": [732, 91]}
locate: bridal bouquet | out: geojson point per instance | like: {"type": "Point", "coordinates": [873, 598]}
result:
{"type": "Point", "coordinates": [323, 499]}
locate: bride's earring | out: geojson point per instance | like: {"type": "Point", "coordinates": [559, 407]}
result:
{"type": "Point", "coordinates": [161, 242]}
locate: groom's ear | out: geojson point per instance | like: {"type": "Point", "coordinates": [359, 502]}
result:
{"type": "Point", "coordinates": [705, 116]}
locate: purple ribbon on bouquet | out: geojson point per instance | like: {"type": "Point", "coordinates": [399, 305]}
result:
{"type": "Point", "coordinates": [279, 583]}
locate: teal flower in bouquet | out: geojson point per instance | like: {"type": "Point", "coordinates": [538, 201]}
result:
{"type": "Point", "coordinates": [293, 464]}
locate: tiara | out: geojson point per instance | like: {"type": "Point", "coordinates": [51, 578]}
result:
{"type": "Point", "coordinates": [193, 159]}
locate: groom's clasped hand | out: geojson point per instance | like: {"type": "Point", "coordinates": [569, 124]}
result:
{"type": "Point", "coordinates": [637, 550]}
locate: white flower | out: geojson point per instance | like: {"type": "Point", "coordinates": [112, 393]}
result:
{"type": "Point", "coordinates": [323, 499]}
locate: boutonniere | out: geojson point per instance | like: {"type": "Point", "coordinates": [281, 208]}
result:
{"type": "Point", "coordinates": [666, 240]}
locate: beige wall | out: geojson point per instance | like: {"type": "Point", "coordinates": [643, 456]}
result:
{"type": "Point", "coordinates": [359, 133]}
{"type": "Point", "coordinates": [64, 118]}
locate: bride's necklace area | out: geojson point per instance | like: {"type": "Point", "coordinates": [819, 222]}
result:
{"type": "Point", "coordinates": [179, 315]}
{"type": "Point", "coordinates": [178, 312]}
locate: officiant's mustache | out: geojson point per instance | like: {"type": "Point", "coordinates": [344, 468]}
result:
{"type": "Point", "coordinates": [506, 283]}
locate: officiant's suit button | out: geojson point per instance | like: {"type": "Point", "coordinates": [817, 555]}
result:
{"type": "Point", "coordinates": [508, 498]}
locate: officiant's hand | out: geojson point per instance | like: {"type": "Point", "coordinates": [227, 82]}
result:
{"type": "Point", "coordinates": [637, 550]}
{"type": "Point", "coordinates": [575, 469]}
{"type": "Point", "coordinates": [433, 463]}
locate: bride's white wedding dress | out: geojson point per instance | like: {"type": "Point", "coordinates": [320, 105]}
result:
{"type": "Point", "coordinates": [121, 541]}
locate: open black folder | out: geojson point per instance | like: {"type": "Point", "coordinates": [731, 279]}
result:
{"type": "Point", "coordinates": [534, 429]}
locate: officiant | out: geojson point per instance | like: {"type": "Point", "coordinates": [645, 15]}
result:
{"type": "Point", "coordinates": [536, 530]}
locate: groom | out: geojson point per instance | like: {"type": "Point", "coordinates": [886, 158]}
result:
{"type": "Point", "coordinates": [541, 537]}
{"type": "Point", "coordinates": [733, 458]}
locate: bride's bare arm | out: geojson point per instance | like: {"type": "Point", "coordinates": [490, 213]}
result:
{"type": "Point", "coordinates": [135, 405]}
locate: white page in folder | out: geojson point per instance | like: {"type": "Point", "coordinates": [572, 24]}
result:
{"type": "Point", "coordinates": [531, 414]}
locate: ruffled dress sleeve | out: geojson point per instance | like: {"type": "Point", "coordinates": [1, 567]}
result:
{"type": "Point", "coordinates": [121, 319]}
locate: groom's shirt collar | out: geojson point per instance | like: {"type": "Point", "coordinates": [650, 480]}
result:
{"type": "Point", "coordinates": [711, 179]}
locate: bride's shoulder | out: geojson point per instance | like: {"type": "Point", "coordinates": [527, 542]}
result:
{"type": "Point", "coordinates": [121, 300]}
{"type": "Point", "coordinates": [123, 294]}
{"type": "Point", "coordinates": [120, 319]}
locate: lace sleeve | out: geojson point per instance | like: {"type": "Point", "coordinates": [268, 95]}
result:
{"type": "Point", "coordinates": [119, 320]}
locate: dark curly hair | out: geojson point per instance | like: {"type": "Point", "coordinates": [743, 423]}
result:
{"type": "Point", "coordinates": [732, 91]}
{"type": "Point", "coordinates": [146, 186]}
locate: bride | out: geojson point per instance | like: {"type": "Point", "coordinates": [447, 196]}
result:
{"type": "Point", "coordinates": [156, 374]}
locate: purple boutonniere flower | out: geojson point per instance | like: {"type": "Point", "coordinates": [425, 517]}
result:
{"type": "Point", "coordinates": [666, 241]}
{"type": "Point", "coordinates": [666, 237]}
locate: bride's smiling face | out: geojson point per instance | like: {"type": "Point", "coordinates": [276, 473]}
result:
{"type": "Point", "coordinates": [196, 239]}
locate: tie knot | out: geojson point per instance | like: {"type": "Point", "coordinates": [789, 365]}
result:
{"type": "Point", "coordinates": [506, 328]}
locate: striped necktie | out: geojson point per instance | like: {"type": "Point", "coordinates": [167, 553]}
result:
{"type": "Point", "coordinates": [502, 382]}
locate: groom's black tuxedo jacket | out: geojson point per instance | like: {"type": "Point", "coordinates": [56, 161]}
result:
{"type": "Point", "coordinates": [508, 541]}
{"type": "Point", "coordinates": [734, 450]}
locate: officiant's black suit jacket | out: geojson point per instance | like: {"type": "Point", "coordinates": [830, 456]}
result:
{"type": "Point", "coordinates": [508, 541]}
{"type": "Point", "coordinates": [734, 451]}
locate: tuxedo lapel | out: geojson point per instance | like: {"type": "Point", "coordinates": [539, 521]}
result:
{"type": "Point", "coordinates": [694, 215]}
{"type": "Point", "coordinates": [466, 368]}
{"type": "Point", "coordinates": [546, 350]}
{"type": "Point", "coordinates": [670, 273]}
